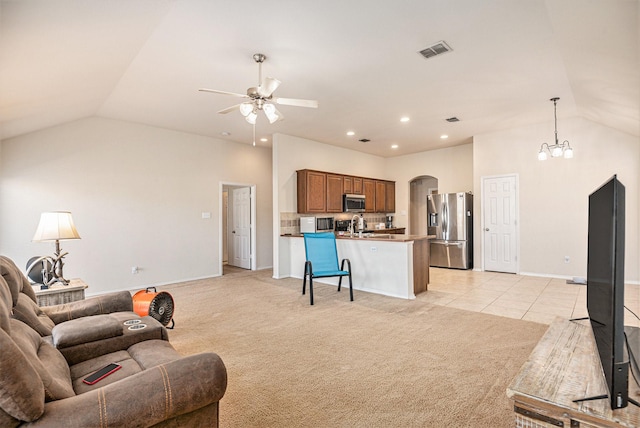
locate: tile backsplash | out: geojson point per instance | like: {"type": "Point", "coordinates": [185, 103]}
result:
{"type": "Point", "coordinates": [290, 222]}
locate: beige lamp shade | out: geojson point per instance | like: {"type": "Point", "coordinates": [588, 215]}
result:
{"type": "Point", "coordinates": [55, 226]}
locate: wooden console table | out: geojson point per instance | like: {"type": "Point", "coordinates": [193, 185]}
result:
{"type": "Point", "coordinates": [58, 294]}
{"type": "Point", "coordinates": [565, 366]}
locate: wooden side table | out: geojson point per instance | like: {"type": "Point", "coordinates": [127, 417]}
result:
{"type": "Point", "coordinates": [565, 366]}
{"type": "Point", "coordinates": [59, 294]}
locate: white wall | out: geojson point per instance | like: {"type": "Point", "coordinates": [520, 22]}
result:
{"type": "Point", "coordinates": [137, 194]}
{"type": "Point", "coordinates": [453, 167]}
{"type": "Point", "coordinates": [554, 193]}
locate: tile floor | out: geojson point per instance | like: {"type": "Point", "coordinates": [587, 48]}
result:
{"type": "Point", "coordinates": [529, 298]}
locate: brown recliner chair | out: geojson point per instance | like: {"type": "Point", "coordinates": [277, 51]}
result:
{"type": "Point", "coordinates": [84, 329]}
{"type": "Point", "coordinates": [155, 387]}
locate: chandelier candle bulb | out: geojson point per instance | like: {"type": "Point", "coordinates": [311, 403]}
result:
{"type": "Point", "coordinates": [555, 150]}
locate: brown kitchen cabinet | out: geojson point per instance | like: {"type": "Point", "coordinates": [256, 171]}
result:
{"type": "Point", "coordinates": [347, 184]}
{"type": "Point", "coordinates": [390, 197]}
{"type": "Point", "coordinates": [335, 188]}
{"type": "Point", "coordinates": [321, 192]}
{"type": "Point", "coordinates": [357, 186]}
{"type": "Point", "coordinates": [369, 187]}
{"type": "Point", "coordinates": [312, 191]}
{"type": "Point", "coordinates": [380, 196]}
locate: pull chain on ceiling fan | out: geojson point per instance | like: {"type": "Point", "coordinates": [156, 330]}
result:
{"type": "Point", "coordinates": [261, 98]}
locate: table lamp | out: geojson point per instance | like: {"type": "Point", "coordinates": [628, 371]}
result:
{"type": "Point", "coordinates": [56, 226]}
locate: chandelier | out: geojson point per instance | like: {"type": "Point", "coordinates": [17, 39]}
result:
{"type": "Point", "coordinates": [555, 150]}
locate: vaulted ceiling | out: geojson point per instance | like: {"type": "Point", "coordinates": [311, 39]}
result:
{"type": "Point", "coordinates": [144, 60]}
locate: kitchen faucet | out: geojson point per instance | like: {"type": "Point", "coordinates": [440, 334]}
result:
{"type": "Point", "coordinates": [360, 220]}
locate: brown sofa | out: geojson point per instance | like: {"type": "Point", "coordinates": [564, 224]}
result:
{"type": "Point", "coordinates": [155, 387]}
{"type": "Point", "coordinates": [83, 329]}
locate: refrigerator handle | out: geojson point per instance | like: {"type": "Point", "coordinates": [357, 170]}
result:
{"type": "Point", "coordinates": [445, 220]}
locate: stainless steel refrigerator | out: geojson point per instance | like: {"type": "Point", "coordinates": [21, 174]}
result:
{"type": "Point", "coordinates": [450, 219]}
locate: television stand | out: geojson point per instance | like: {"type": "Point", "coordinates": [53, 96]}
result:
{"type": "Point", "coordinates": [602, 397]}
{"type": "Point", "coordinates": [565, 365]}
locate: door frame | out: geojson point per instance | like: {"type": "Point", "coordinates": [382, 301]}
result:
{"type": "Point", "coordinates": [517, 219]}
{"type": "Point", "coordinates": [252, 197]}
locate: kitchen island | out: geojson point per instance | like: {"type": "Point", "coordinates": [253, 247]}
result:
{"type": "Point", "coordinates": [389, 264]}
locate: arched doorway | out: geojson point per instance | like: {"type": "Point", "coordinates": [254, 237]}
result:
{"type": "Point", "coordinates": [419, 188]}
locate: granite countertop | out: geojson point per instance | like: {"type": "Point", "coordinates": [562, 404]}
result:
{"type": "Point", "coordinates": [391, 237]}
{"type": "Point", "coordinates": [391, 229]}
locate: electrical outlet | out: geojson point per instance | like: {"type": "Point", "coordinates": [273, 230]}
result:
{"type": "Point", "coordinates": [134, 270]}
{"type": "Point", "coordinates": [374, 249]}
{"type": "Point", "coordinates": [567, 259]}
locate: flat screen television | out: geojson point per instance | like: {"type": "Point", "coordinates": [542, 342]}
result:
{"type": "Point", "coordinates": [605, 286]}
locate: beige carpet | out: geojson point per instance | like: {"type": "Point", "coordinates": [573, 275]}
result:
{"type": "Point", "coordinates": [374, 362]}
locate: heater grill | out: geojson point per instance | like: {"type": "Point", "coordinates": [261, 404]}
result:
{"type": "Point", "coordinates": [157, 305]}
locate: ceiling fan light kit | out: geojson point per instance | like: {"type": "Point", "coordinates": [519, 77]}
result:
{"type": "Point", "coordinates": [261, 98]}
{"type": "Point", "coordinates": [555, 150]}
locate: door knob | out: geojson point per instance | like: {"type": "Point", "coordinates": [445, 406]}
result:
{"type": "Point", "coordinates": [486, 229]}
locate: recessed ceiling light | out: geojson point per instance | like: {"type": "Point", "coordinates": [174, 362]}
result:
{"type": "Point", "coordinates": [225, 133]}
{"type": "Point", "coordinates": [264, 140]}
{"type": "Point", "coordinates": [351, 133]}
{"type": "Point", "coordinates": [394, 146]}
{"type": "Point", "coordinates": [404, 119]}
{"type": "Point", "coordinates": [444, 137]}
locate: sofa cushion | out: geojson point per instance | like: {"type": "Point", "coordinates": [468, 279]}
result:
{"type": "Point", "coordinates": [48, 361]}
{"type": "Point", "coordinates": [81, 370]}
{"type": "Point", "coordinates": [6, 303]}
{"type": "Point", "coordinates": [85, 330]}
{"type": "Point", "coordinates": [21, 390]}
{"type": "Point", "coordinates": [151, 353]}
{"type": "Point", "coordinates": [27, 311]}
{"type": "Point", "coordinates": [15, 279]}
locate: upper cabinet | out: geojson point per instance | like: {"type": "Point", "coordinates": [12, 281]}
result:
{"type": "Point", "coordinates": [321, 192]}
{"type": "Point", "coordinates": [369, 186]}
{"type": "Point", "coordinates": [357, 186]}
{"type": "Point", "coordinates": [335, 189]}
{"type": "Point", "coordinates": [347, 184]}
{"type": "Point", "coordinates": [390, 196]}
{"type": "Point", "coordinates": [381, 198]}
{"type": "Point", "coordinates": [312, 191]}
{"type": "Point", "coordinates": [353, 185]}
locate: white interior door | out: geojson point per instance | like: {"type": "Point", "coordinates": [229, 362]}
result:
{"type": "Point", "coordinates": [241, 231]}
{"type": "Point", "coordinates": [500, 229]}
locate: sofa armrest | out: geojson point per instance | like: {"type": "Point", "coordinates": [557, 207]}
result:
{"type": "Point", "coordinates": [120, 301]}
{"type": "Point", "coordinates": [86, 351]}
{"type": "Point", "coordinates": [85, 330]}
{"type": "Point", "coordinates": [146, 398]}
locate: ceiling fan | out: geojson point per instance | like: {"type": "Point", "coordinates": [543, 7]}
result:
{"type": "Point", "coordinates": [261, 98]}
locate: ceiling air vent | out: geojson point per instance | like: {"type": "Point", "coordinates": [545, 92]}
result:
{"type": "Point", "coordinates": [452, 119]}
{"type": "Point", "coordinates": [435, 49]}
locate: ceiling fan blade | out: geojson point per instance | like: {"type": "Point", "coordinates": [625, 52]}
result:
{"type": "Point", "coordinates": [268, 86]}
{"type": "Point", "coordinates": [296, 102]}
{"type": "Point", "coordinates": [230, 109]}
{"type": "Point", "coordinates": [215, 91]}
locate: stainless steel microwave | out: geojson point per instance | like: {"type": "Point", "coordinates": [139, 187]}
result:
{"type": "Point", "coordinates": [324, 224]}
{"type": "Point", "coordinates": [353, 203]}
{"type": "Point", "coordinates": [316, 224]}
